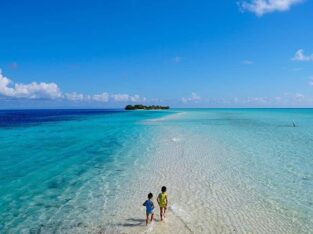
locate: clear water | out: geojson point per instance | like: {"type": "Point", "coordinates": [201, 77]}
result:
{"type": "Point", "coordinates": [268, 151]}
{"type": "Point", "coordinates": [227, 170]}
{"type": "Point", "coordinates": [57, 165]}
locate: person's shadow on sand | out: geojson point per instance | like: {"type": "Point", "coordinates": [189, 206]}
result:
{"type": "Point", "coordinates": [133, 222]}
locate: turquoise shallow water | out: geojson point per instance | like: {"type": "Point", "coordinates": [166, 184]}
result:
{"type": "Point", "coordinates": [56, 165]}
{"type": "Point", "coordinates": [62, 170]}
{"type": "Point", "coordinates": [271, 155]}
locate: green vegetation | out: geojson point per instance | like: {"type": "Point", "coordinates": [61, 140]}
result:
{"type": "Point", "coordinates": [142, 107]}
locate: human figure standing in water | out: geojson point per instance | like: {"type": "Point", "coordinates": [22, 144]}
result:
{"type": "Point", "coordinates": [162, 201]}
{"type": "Point", "coordinates": [149, 208]}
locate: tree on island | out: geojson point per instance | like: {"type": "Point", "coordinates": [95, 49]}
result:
{"type": "Point", "coordinates": [143, 107]}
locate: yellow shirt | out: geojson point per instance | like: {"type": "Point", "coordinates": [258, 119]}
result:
{"type": "Point", "coordinates": [162, 199]}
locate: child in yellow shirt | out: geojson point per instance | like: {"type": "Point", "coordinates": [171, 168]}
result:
{"type": "Point", "coordinates": [162, 201]}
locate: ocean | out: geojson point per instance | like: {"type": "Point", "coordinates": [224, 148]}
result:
{"type": "Point", "coordinates": [89, 171]}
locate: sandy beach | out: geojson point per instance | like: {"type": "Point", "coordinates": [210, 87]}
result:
{"type": "Point", "coordinates": [206, 194]}
{"type": "Point", "coordinates": [226, 171]}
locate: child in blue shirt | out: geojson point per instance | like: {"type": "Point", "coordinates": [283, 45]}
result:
{"type": "Point", "coordinates": [149, 208]}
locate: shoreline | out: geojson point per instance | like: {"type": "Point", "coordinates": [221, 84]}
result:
{"type": "Point", "coordinates": [204, 195]}
{"type": "Point", "coordinates": [219, 168]}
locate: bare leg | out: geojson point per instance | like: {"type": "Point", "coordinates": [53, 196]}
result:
{"type": "Point", "coordinates": [147, 218]}
{"type": "Point", "coordinates": [161, 213]}
{"type": "Point", "coordinates": [164, 210]}
{"type": "Point", "coordinates": [152, 216]}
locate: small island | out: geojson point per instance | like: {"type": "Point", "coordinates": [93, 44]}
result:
{"type": "Point", "coordinates": [143, 107]}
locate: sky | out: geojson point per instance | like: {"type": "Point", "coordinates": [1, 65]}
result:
{"type": "Point", "coordinates": [182, 53]}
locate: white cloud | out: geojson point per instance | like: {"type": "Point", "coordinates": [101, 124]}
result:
{"type": "Point", "coordinates": [75, 96]}
{"type": "Point", "coordinates": [120, 97]}
{"type": "Point", "coordinates": [257, 100]}
{"type": "Point", "coordinates": [299, 96]}
{"type": "Point", "coordinates": [4, 83]}
{"type": "Point", "coordinates": [261, 7]}
{"type": "Point", "coordinates": [300, 56]}
{"type": "Point", "coordinates": [42, 90]}
{"type": "Point", "coordinates": [127, 98]}
{"type": "Point", "coordinates": [284, 100]}
{"type": "Point", "coordinates": [135, 98]}
{"type": "Point", "coordinates": [33, 90]}
{"type": "Point", "coordinates": [247, 62]}
{"type": "Point", "coordinates": [103, 97]}
{"type": "Point", "coordinates": [193, 98]}
{"type": "Point", "coordinates": [277, 99]}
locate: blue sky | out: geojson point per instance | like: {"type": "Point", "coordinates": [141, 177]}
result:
{"type": "Point", "coordinates": [188, 53]}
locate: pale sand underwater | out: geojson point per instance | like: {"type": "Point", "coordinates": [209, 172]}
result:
{"type": "Point", "coordinates": [205, 194]}
{"type": "Point", "coordinates": [226, 171]}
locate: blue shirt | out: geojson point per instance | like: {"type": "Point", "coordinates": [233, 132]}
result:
{"type": "Point", "coordinates": [149, 206]}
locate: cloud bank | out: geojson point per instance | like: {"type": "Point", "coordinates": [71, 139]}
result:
{"type": "Point", "coordinates": [284, 100]}
{"type": "Point", "coordinates": [195, 98]}
{"type": "Point", "coordinates": [10, 90]}
{"type": "Point", "coordinates": [300, 56]}
{"type": "Point", "coordinates": [33, 90]}
{"type": "Point", "coordinates": [42, 90]}
{"type": "Point", "coordinates": [261, 7]}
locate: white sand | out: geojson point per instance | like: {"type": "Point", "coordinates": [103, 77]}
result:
{"type": "Point", "coordinates": [205, 194]}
